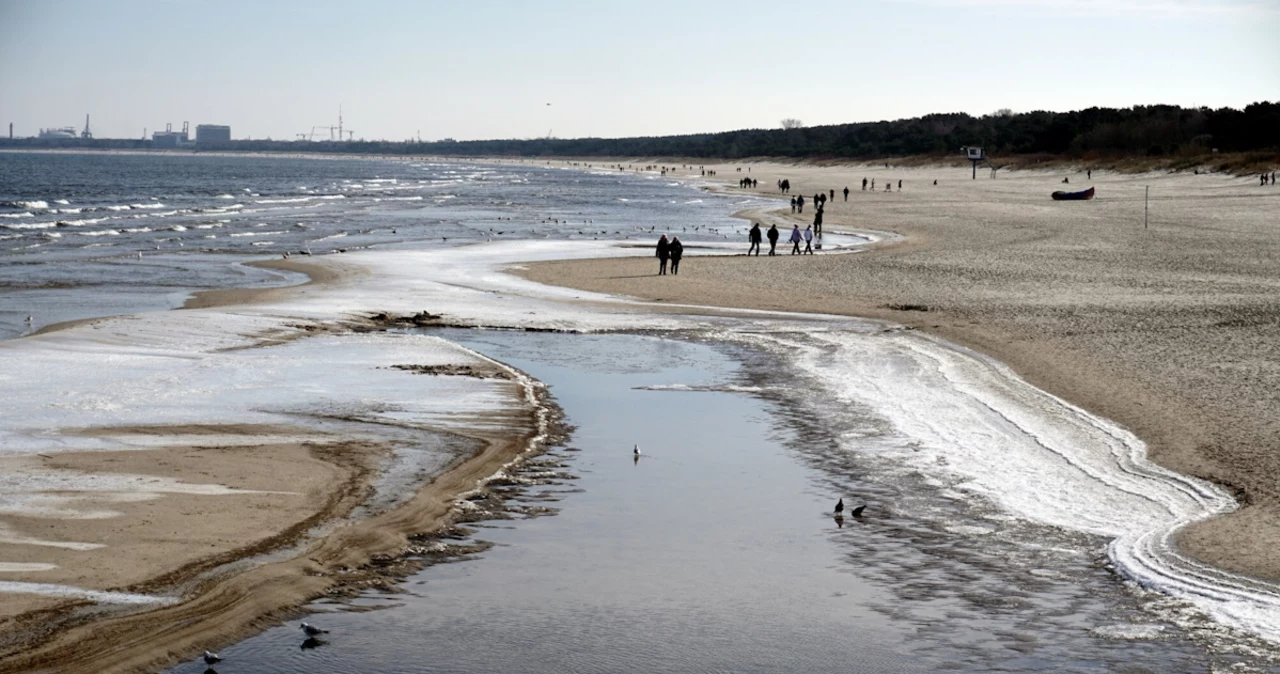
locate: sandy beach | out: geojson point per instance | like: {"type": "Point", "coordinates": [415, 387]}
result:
{"type": "Point", "coordinates": [1169, 329]}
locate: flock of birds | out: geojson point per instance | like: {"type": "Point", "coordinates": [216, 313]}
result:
{"type": "Point", "coordinates": [838, 512]}
{"type": "Point", "coordinates": [313, 633]}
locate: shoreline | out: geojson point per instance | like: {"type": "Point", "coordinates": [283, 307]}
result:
{"type": "Point", "coordinates": [945, 275]}
{"type": "Point", "coordinates": [222, 600]}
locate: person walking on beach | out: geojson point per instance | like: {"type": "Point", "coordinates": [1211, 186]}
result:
{"type": "Point", "coordinates": [800, 204]}
{"type": "Point", "coordinates": [754, 237]}
{"type": "Point", "coordinates": [793, 204]}
{"type": "Point", "coordinates": [864, 184]}
{"type": "Point", "coordinates": [795, 239]}
{"type": "Point", "coordinates": [846, 193]}
{"type": "Point", "coordinates": [899, 185]}
{"type": "Point", "coordinates": [677, 252]}
{"type": "Point", "coordinates": [817, 222]}
{"type": "Point", "coordinates": [808, 241]}
{"type": "Point", "coordinates": [663, 252]}
{"type": "Point", "coordinates": [773, 239]}
{"type": "Point", "coordinates": [833, 195]}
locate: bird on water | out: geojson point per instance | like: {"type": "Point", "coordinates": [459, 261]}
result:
{"type": "Point", "coordinates": [211, 658]}
{"type": "Point", "coordinates": [635, 451]}
{"type": "Point", "coordinates": [312, 630]}
{"type": "Point", "coordinates": [839, 506]}
{"type": "Point", "coordinates": [857, 512]}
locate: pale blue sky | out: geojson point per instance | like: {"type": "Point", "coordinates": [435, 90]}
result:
{"type": "Point", "coordinates": [487, 69]}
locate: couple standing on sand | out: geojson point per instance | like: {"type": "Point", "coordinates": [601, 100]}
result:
{"type": "Point", "coordinates": [672, 250]}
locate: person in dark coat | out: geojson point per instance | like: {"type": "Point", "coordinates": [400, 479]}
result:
{"type": "Point", "coordinates": [846, 193]}
{"type": "Point", "coordinates": [755, 238]}
{"type": "Point", "coordinates": [800, 204]}
{"type": "Point", "coordinates": [793, 204]}
{"type": "Point", "coordinates": [773, 239]}
{"type": "Point", "coordinates": [817, 222]}
{"type": "Point", "coordinates": [663, 252]}
{"type": "Point", "coordinates": [677, 251]}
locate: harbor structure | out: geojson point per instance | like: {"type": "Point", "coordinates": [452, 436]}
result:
{"type": "Point", "coordinates": [59, 133]}
{"type": "Point", "coordinates": [213, 133]}
{"type": "Point", "coordinates": [170, 138]}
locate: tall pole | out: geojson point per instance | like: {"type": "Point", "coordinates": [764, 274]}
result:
{"type": "Point", "coordinates": [1146, 207]}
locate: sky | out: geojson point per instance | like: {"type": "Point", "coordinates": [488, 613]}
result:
{"type": "Point", "coordinates": [404, 69]}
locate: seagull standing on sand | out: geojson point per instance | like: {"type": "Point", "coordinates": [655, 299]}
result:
{"type": "Point", "coordinates": [211, 658]}
{"type": "Point", "coordinates": [312, 630]}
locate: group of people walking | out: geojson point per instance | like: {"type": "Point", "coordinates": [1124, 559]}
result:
{"type": "Point", "coordinates": [755, 238]}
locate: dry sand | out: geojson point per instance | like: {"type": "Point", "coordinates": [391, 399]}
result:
{"type": "Point", "coordinates": [1172, 330]}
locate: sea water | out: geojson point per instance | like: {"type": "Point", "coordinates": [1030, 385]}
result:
{"type": "Point", "coordinates": [96, 234]}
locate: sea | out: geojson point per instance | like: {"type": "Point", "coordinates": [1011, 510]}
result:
{"type": "Point", "coordinates": [1004, 529]}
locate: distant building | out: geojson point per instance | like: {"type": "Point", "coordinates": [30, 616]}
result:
{"type": "Point", "coordinates": [171, 138]}
{"type": "Point", "coordinates": [64, 132]}
{"type": "Point", "coordinates": [213, 133]}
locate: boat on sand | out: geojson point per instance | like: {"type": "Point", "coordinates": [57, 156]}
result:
{"type": "Point", "coordinates": [1073, 196]}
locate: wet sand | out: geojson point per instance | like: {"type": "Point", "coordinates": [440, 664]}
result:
{"type": "Point", "coordinates": [1169, 330]}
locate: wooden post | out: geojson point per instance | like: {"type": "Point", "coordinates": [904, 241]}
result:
{"type": "Point", "coordinates": [1146, 207]}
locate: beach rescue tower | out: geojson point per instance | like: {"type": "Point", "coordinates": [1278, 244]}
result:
{"type": "Point", "coordinates": [974, 155]}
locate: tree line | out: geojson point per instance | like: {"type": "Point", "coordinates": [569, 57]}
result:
{"type": "Point", "coordinates": [1152, 130]}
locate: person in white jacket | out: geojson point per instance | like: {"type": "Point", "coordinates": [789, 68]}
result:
{"type": "Point", "coordinates": [808, 240]}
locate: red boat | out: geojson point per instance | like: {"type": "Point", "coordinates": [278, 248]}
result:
{"type": "Point", "coordinates": [1073, 196]}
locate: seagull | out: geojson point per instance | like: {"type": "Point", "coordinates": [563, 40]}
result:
{"type": "Point", "coordinates": [312, 630]}
{"type": "Point", "coordinates": [29, 318]}
{"type": "Point", "coordinates": [839, 506]}
{"type": "Point", "coordinates": [635, 451]}
{"type": "Point", "coordinates": [857, 512]}
{"type": "Point", "coordinates": [211, 658]}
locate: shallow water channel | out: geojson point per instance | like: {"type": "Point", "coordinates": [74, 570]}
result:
{"type": "Point", "coordinates": [716, 551]}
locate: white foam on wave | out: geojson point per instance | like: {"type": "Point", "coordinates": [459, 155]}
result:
{"type": "Point", "coordinates": [295, 200]}
{"type": "Point", "coordinates": [30, 225]}
{"type": "Point", "coordinates": [14, 216]}
{"type": "Point", "coordinates": [242, 234]}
